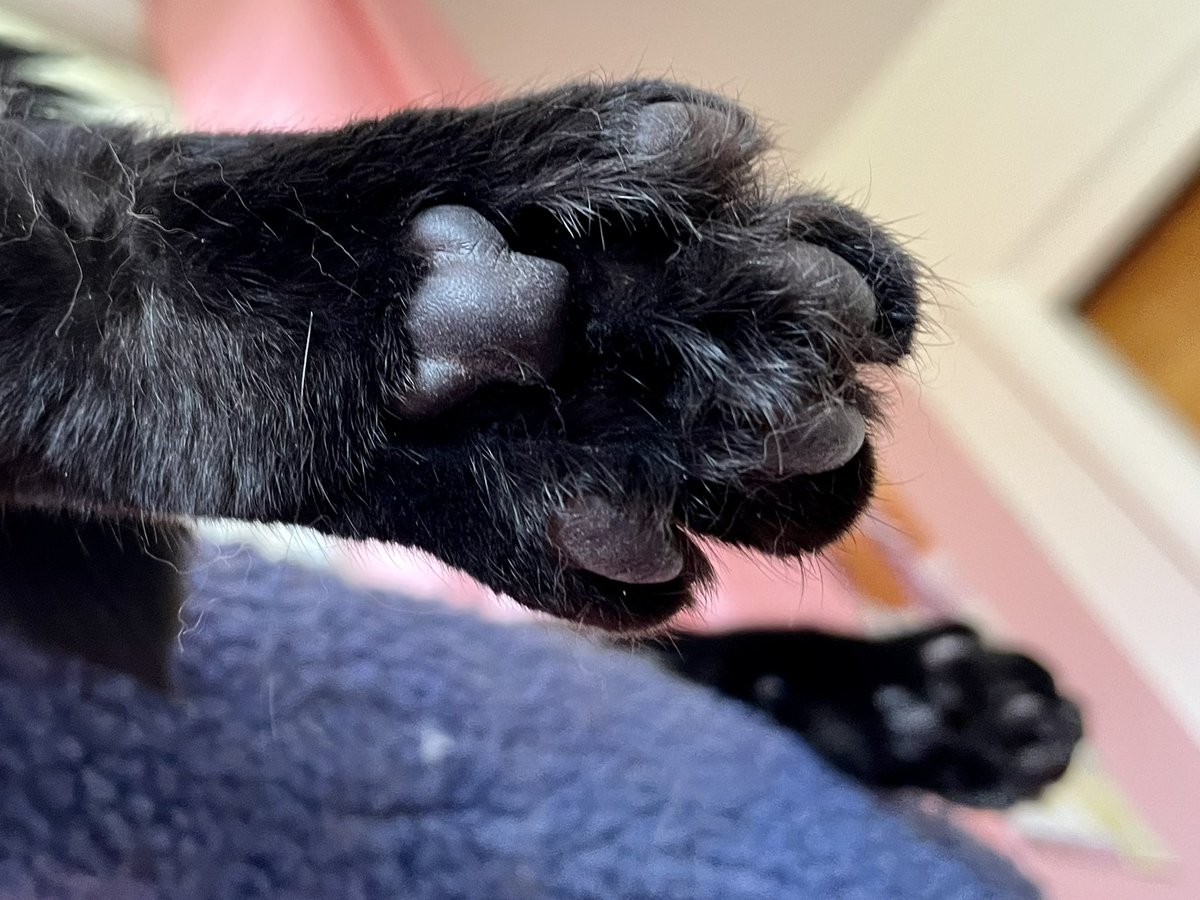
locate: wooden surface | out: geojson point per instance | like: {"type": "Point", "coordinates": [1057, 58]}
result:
{"type": "Point", "coordinates": [1148, 308]}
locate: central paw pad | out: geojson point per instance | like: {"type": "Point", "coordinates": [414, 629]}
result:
{"type": "Point", "coordinates": [482, 314]}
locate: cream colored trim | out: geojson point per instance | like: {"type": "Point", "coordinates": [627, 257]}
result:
{"type": "Point", "coordinates": [120, 86]}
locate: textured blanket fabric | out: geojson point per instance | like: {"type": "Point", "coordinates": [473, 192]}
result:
{"type": "Point", "coordinates": [328, 743]}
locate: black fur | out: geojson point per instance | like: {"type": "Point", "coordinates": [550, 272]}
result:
{"type": "Point", "coordinates": [107, 591]}
{"type": "Point", "coordinates": [547, 339]}
{"type": "Point", "coordinates": [934, 709]}
{"type": "Point", "coordinates": [215, 326]}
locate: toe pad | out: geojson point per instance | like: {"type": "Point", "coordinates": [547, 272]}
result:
{"type": "Point", "coordinates": [596, 536]}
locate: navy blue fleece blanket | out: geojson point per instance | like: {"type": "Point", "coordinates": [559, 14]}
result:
{"type": "Point", "coordinates": [331, 743]}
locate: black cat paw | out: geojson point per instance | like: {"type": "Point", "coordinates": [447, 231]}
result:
{"type": "Point", "coordinates": [935, 710]}
{"type": "Point", "coordinates": [979, 726]}
{"type": "Point", "coordinates": [626, 338]}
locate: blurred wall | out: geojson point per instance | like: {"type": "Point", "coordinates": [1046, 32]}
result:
{"type": "Point", "coordinates": [798, 63]}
